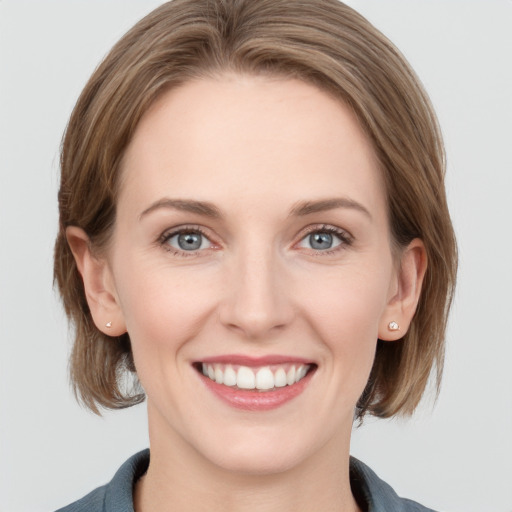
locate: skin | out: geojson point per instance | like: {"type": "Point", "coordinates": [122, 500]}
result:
{"type": "Point", "coordinates": [256, 149]}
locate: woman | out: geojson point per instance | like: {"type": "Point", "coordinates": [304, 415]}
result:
{"type": "Point", "coordinates": [253, 225]}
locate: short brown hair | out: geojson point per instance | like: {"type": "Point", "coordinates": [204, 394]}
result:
{"type": "Point", "coordinates": [322, 42]}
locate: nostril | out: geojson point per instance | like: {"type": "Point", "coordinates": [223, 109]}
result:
{"type": "Point", "coordinates": [256, 307]}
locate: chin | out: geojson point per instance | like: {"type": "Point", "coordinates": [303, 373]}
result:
{"type": "Point", "coordinates": [257, 462]}
{"type": "Point", "coordinates": [262, 453]}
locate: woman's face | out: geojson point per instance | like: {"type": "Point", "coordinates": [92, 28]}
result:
{"type": "Point", "coordinates": [252, 241]}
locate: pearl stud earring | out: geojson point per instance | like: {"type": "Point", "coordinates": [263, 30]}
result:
{"type": "Point", "coordinates": [108, 325]}
{"type": "Point", "coordinates": [393, 326]}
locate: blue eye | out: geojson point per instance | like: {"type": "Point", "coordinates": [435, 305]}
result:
{"type": "Point", "coordinates": [323, 239]}
{"type": "Point", "coordinates": [188, 241]}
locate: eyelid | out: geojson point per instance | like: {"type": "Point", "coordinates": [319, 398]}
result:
{"type": "Point", "coordinates": [185, 228]}
{"type": "Point", "coordinates": [344, 236]}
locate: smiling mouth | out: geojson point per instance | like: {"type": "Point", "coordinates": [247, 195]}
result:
{"type": "Point", "coordinates": [263, 378]}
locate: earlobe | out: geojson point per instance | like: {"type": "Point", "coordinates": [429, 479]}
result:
{"type": "Point", "coordinates": [98, 284]}
{"type": "Point", "coordinates": [400, 310]}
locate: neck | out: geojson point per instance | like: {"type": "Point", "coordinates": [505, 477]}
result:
{"type": "Point", "coordinates": [179, 478]}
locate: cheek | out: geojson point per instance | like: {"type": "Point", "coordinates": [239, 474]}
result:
{"type": "Point", "coordinates": [348, 300]}
{"type": "Point", "coordinates": [163, 308]}
{"type": "Point", "coordinates": [163, 312]}
{"type": "Point", "coordinates": [344, 308]}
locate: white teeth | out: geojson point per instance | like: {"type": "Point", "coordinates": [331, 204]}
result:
{"type": "Point", "coordinates": [301, 373]}
{"type": "Point", "coordinates": [245, 378]}
{"type": "Point", "coordinates": [280, 378]}
{"type": "Point", "coordinates": [229, 376]}
{"type": "Point", "coordinates": [263, 379]}
{"type": "Point", "coordinates": [219, 376]}
{"type": "Point", "coordinates": [290, 376]}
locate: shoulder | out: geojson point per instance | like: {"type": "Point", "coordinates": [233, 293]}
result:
{"type": "Point", "coordinates": [117, 495]}
{"type": "Point", "coordinates": [92, 502]}
{"type": "Point", "coordinates": [375, 494]}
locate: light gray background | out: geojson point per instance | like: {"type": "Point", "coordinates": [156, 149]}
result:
{"type": "Point", "coordinates": [454, 457]}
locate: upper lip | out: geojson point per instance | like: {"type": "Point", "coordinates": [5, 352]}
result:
{"type": "Point", "coordinates": [252, 361]}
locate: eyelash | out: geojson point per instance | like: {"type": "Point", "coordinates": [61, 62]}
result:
{"type": "Point", "coordinates": [167, 235]}
{"type": "Point", "coordinates": [345, 238]}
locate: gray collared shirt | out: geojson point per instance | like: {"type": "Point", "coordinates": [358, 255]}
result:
{"type": "Point", "coordinates": [372, 493]}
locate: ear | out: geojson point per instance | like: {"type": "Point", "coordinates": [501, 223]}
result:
{"type": "Point", "coordinates": [402, 304]}
{"type": "Point", "coordinates": [98, 284]}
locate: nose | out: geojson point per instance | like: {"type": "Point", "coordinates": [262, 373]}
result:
{"type": "Point", "coordinates": [256, 301]}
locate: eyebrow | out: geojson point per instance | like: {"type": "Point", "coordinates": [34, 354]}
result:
{"type": "Point", "coordinates": [185, 205]}
{"type": "Point", "coordinates": [307, 207]}
{"type": "Point", "coordinates": [300, 209]}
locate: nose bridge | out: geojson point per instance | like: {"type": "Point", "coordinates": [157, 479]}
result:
{"type": "Point", "coordinates": [256, 301]}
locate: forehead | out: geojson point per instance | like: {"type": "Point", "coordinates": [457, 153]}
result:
{"type": "Point", "coordinates": [250, 138]}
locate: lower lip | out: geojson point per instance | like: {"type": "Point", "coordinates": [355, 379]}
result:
{"type": "Point", "coordinates": [250, 400]}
